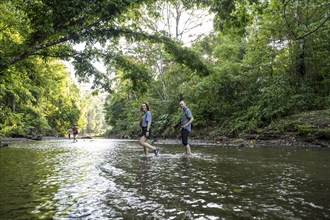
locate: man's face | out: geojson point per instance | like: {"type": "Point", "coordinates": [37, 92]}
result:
{"type": "Point", "coordinates": [182, 104]}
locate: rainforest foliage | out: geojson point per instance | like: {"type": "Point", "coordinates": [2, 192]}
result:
{"type": "Point", "coordinates": [265, 61]}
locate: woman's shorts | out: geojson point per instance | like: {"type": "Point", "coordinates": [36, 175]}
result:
{"type": "Point", "coordinates": [144, 131]}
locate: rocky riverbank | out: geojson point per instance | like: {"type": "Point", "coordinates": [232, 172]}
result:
{"type": "Point", "coordinates": [5, 141]}
{"type": "Point", "coordinates": [288, 140]}
{"type": "Point", "coordinates": [250, 142]}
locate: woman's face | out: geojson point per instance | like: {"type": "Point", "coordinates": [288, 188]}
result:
{"type": "Point", "coordinates": [144, 107]}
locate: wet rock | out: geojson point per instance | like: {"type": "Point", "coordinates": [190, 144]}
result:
{"type": "Point", "coordinates": [35, 137]}
{"type": "Point", "coordinates": [321, 144]}
{"type": "Point", "coordinates": [3, 144]}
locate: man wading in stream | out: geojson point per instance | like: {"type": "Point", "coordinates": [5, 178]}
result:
{"type": "Point", "coordinates": [185, 125]}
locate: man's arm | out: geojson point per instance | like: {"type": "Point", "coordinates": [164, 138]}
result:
{"type": "Point", "coordinates": [189, 122]}
{"type": "Point", "coordinates": [190, 118]}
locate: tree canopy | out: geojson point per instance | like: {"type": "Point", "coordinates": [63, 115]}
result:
{"type": "Point", "coordinates": [51, 28]}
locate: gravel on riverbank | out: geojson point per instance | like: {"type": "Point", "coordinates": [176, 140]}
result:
{"type": "Point", "coordinates": [224, 141]}
{"type": "Point", "coordinates": [240, 142]}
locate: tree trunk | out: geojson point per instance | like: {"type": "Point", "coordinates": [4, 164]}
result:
{"type": "Point", "coordinates": [301, 62]}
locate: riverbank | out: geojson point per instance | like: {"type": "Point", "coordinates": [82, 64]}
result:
{"type": "Point", "coordinates": [288, 140]}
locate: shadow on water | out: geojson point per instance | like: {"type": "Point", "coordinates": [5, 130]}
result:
{"type": "Point", "coordinates": [111, 179]}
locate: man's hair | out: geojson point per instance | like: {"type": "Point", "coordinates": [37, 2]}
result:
{"type": "Point", "coordinates": [183, 102]}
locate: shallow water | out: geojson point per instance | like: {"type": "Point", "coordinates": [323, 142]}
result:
{"type": "Point", "coordinates": [111, 179]}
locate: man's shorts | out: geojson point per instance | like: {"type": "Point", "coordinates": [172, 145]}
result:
{"type": "Point", "coordinates": [184, 136]}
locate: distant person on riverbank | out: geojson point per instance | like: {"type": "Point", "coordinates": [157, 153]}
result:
{"type": "Point", "coordinates": [75, 133]}
{"type": "Point", "coordinates": [185, 125]}
{"type": "Point", "coordinates": [145, 124]}
{"type": "Point", "coordinates": [70, 133]}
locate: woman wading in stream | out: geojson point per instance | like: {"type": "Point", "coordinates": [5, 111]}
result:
{"type": "Point", "coordinates": [145, 124]}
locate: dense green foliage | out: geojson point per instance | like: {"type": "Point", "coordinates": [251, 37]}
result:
{"type": "Point", "coordinates": [264, 68]}
{"type": "Point", "coordinates": [38, 99]}
{"type": "Point", "coordinates": [265, 61]}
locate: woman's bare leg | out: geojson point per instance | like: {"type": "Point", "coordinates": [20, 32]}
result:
{"type": "Point", "coordinates": [145, 150]}
{"type": "Point", "coordinates": [146, 145]}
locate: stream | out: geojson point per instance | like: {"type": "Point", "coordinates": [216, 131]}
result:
{"type": "Point", "coordinates": [112, 179]}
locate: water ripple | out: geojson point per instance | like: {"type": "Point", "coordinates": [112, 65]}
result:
{"type": "Point", "coordinates": [111, 179]}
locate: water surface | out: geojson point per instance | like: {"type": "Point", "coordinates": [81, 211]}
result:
{"type": "Point", "coordinates": [111, 179]}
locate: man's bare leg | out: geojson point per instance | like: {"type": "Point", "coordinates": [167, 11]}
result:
{"type": "Point", "coordinates": [188, 150]}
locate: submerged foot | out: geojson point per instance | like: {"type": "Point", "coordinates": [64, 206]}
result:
{"type": "Point", "coordinates": [156, 152]}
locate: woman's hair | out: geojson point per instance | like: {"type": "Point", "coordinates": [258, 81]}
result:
{"type": "Point", "coordinates": [146, 106]}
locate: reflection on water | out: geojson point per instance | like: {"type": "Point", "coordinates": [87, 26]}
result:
{"type": "Point", "coordinates": [111, 179]}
